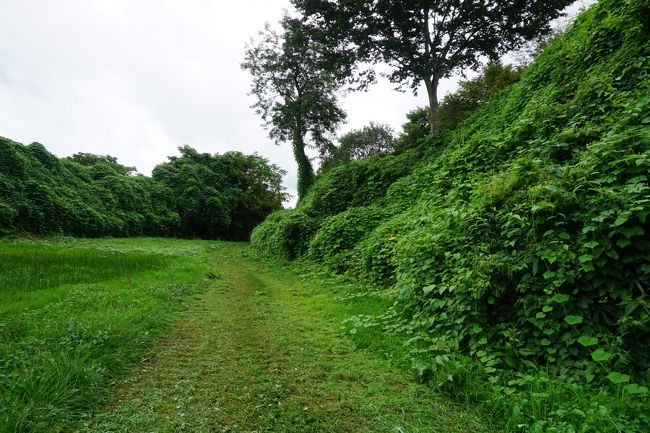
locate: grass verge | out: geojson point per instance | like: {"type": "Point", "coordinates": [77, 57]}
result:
{"type": "Point", "coordinates": [509, 401]}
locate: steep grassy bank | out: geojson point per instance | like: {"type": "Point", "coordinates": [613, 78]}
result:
{"type": "Point", "coordinates": [75, 316]}
{"type": "Point", "coordinates": [517, 244]}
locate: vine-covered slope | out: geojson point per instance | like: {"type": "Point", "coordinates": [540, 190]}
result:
{"type": "Point", "coordinates": [520, 239]}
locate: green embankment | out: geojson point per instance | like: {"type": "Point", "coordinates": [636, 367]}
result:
{"type": "Point", "coordinates": [516, 246]}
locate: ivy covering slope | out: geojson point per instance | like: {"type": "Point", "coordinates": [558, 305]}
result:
{"type": "Point", "coordinates": [520, 239]}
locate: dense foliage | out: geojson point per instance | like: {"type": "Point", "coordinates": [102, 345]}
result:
{"type": "Point", "coordinates": [90, 159]}
{"type": "Point", "coordinates": [338, 234]}
{"type": "Point", "coordinates": [455, 107]}
{"type": "Point", "coordinates": [475, 93]}
{"type": "Point", "coordinates": [221, 196]}
{"type": "Point", "coordinates": [359, 144]}
{"type": "Point", "coordinates": [195, 195]}
{"type": "Point", "coordinates": [520, 239]}
{"type": "Point", "coordinates": [285, 234]}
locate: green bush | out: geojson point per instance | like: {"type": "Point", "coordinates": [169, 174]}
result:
{"type": "Point", "coordinates": [377, 252]}
{"type": "Point", "coordinates": [195, 195]}
{"type": "Point", "coordinates": [285, 234]}
{"type": "Point", "coordinates": [339, 234]}
{"type": "Point", "coordinates": [356, 184]}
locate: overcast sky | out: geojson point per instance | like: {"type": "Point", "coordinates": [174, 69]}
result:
{"type": "Point", "coordinates": [138, 78]}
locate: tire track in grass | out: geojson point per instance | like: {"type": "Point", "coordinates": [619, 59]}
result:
{"type": "Point", "coordinates": [255, 356]}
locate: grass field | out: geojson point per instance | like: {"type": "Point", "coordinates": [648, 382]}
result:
{"type": "Point", "coordinates": [156, 335]}
{"type": "Point", "coordinates": [75, 315]}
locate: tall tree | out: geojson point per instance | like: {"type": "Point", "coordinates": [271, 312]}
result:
{"type": "Point", "coordinates": [425, 41]}
{"type": "Point", "coordinates": [296, 87]}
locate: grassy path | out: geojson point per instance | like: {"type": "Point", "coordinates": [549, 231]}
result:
{"type": "Point", "coordinates": [260, 353]}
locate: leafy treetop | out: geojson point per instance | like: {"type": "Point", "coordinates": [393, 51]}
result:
{"type": "Point", "coordinates": [359, 144]}
{"type": "Point", "coordinates": [295, 87]}
{"type": "Point", "coordinates": [90, 159]}
{"type": "Point", "coordinates": [423, 40]}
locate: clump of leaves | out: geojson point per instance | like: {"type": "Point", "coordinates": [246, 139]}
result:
{"type": "Point", "coordinates": [284, 234]}
{"type": "Point", "coordinates": [338, 234]}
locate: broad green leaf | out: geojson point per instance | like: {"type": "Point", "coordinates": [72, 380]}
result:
{"type": "Point", "coordinates": [586, 258]}
{"type": "Point", "coordinates": [587, 341]}
{"type": "Point", "coordinates": [601, 356]}
{"type": "Point", "coordinates": [635, 388]}
{"type": "Point", "coordinates": [618, 378]}
{"type": "Point", "coordinates": [536, 266]}
{"type": "Point", "coordinates": [560, 299]}
{"type": "Point", "coordinates": [573, 320]}
{"type": "Point", "coordinates": [622, 219]}
{"type": "Point", "coordinates": [623, 243]}
{"type": "Point", "coordinates": [549, 274]}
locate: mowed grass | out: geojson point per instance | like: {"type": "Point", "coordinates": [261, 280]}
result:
{"type": "Point", "coordinates": [75, 315]}
{"type": "Point", "coordinates": [267, 350]}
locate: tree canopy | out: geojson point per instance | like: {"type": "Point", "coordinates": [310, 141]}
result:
{"type": "Point", "coordinates": [90, 159]}
{"type": "Point", "coordinates": [221, 196]}
{"type": "Point", "coordinates": [194, 195]}
{"type": "Point", "coordinates": [475, 93]}
{"type": "Point", "coordinates": [360, 143]}
{"type": "Point", "coordinates": [295, 86]}
{"type": "Point", "coordinates": [424, 41]}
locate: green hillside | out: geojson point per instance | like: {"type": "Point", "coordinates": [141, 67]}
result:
{"type": "Point", "coordinates": [515, 247]}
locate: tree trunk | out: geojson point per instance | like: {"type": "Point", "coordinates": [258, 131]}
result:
{"type": "Point", "coordinates": [432, 91]}
{"type": "Point", "coordinates": [305, 170]}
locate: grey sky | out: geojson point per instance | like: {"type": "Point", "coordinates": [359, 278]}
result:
{"type": "Point", "coordinates": [138, 78]}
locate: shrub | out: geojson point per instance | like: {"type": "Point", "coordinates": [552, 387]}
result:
{"type": "Point", "coordinates": [356, 184]}
{"type": "Point", "coordinates": [339, 234]}
{"type": "Point", "coordinates": [284, 234]}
